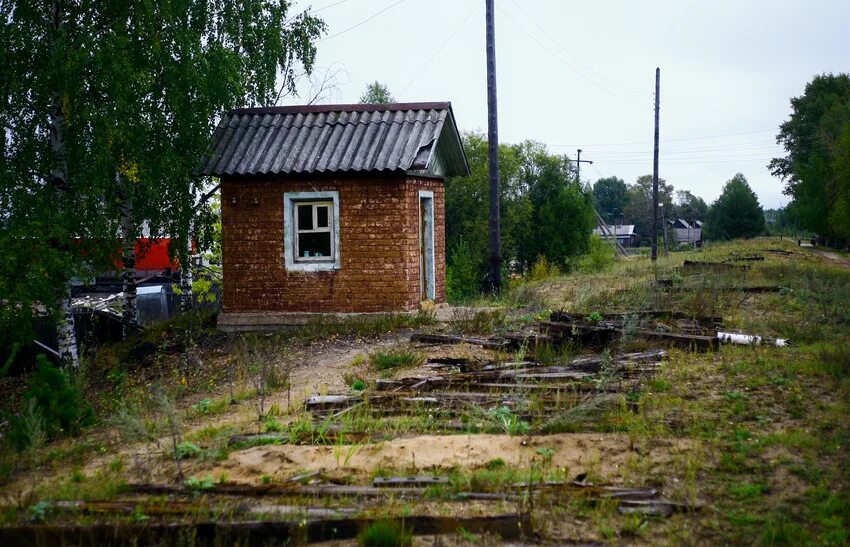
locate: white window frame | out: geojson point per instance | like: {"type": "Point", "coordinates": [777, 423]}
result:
{"type": "Point", "coordinates": [290, 231]}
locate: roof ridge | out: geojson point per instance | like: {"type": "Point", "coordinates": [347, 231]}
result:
{"type": "Point", "coordinates": [326, 108]}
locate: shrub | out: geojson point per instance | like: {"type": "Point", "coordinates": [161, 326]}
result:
{"type": "Point", "coordinates": [58, 401]}
{"type": "Point", "coordinates": [462, 282]}
{"type": "Point", "coordinates": [384, 533]}
{"type": "Point", "coordinates": [542, 270]}
{"type": "Point", "coordinates": [600, 255]}
{"type": "Point", "coordinates": [187, 450]}
{"type": "Point", "coordinates": [391, 360]}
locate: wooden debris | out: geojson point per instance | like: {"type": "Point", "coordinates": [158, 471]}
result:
{"type": "Point", "coordinates": [275, 532]}
{"type": "Point", "coordinates": [490, 343]}
{"type": "Point", "coordinates": [694, 264]}
{"type": "Point", "coordinates": [310, 490]}
{"type": "Point", "coordinates": [419, 481]}
{"type": "Point", "coordinates": [605, 334]}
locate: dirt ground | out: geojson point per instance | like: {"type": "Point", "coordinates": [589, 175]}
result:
{"type": "Point", "coordinates": [574, 453]}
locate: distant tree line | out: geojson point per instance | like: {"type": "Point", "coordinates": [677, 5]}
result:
{"type": "Point", "coordinates": [736, 213]}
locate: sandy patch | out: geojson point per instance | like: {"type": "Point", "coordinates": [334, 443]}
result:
{"type": "Point", "coordinates": [577, 452]}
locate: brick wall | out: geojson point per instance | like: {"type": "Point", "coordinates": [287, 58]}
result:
{"type": "Point", "coordinates": [379, 246]}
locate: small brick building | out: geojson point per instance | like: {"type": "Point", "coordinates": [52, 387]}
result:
{"type": "Point", "coordinates": [333, 209]}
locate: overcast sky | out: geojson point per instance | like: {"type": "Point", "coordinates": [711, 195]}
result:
{"type": "Point", "coordinates": [581, 74]}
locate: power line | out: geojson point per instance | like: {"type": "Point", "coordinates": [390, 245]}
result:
{"type": "Point", "coordinates": [568, 52]}
{"type": "Point", "coordinates": [363, 22]}
{"type": "Point", "coordinates": [670, 140]}
{"type": "Point", "coordinates": [565, 62]}
{"type": "Point", "coordinates": [330, 6]}
{"type": "Point", "coordinates": [475, 8]}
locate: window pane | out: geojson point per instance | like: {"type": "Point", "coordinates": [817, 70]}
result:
{"type": "Point", "coordinates": [305, 217]}
{"type": "Point", "coordinates": [322, 216]}
{"type": "Point", "coordinates": [316, 244]}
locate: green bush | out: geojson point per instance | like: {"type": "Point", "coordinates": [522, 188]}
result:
{"type": "Point", "coordinates": [187, 450]}
{"type": "Point", "coordinates": [462, 281]}
{"type": "Point", "coordinates": [385, 533]}
{"type": "Point", "coordinates": [391, 360]}
{"type": "Point", "coordinates": [542, 270]}
{"type": "Point", "coordinates": [600, 255]}
{"type": "Point", "coordinates": [59, 402]}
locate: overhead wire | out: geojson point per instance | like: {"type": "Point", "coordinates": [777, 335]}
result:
{"type": "Point", "coordinates": [577, 60]}
{"type": "Point", "coordinates": [567, 63]}
{"type": "Point", "coordinates": [330, 6]}
{"type": "Point", "coordinates": [363, 22]}
{"type": "Point", "coordinates": [476, 6]}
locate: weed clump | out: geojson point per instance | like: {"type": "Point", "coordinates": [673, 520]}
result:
{"type": "Point", "coordinates": [53, 405]}
{"type": "Point", "coordinates": [589, 411]}
{"type": "Point", "coordinates": [385, 533]}
{"type": "Point", "coordinates": [387, 361]}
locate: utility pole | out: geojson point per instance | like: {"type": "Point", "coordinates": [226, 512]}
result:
{"type": "Point", "coordinates": [578, 165]}
{"type": "Point", "coordinates": [654, 224]}
{"type": "Point", "coordinates": [494, 281]}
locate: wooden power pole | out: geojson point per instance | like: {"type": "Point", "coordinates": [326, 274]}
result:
{"type": "Point", "coordinates": [579, 161]}
{"type": "Point", "coordinates": [654, 224]}
{"type": "Point", "coordinates": [495, 278]}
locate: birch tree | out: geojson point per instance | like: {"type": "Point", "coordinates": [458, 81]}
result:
{"type": "Point", "coordinates": [107, 108]}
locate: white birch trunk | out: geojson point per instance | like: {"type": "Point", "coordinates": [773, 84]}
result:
{"type": "Point", "coordinates": [59, 182]}
{"type": "Point", "coordinates": [129, 324]}
{"type": "Point", "coordinates": [186, 296]}
{"type": "Point", "coordinates": [66, 333]}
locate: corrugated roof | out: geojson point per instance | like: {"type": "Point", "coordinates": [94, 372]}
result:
{"type": "Point", "coordinates": [410, 137]}
{"type": "Point", "coordinates": [622, 230]}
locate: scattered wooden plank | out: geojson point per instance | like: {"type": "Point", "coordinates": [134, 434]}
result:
{"type": "Point", "coordinates": [490, 343]}
{"type": "Point", "coordinates": [593, 334]}
{"type": "Point", "coordinates": [695, 264]}
{"type": "Point", "coordinates": [565, 316]}
{"type": "Point", "coordinates": [289, 489]}
{"type": "Point", "coordinates": [276, 532]}
{"type": "Point", "coordinates": [417, 481]}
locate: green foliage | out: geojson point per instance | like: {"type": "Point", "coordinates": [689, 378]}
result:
{"type": "Point", "coordinates": [385, 533]}
{"type": "Point", "coordinates": [203, 406]}
{"type": "Point", "coordinates": [816, 167]}
{"type": "Point", "coordinates": [600, 255]}
{"type": "Point", "coordinates": [376, 93]}
{"type": "Point", "coordinates": [199, 484]}
{"type": "Point", "coordinates": [509, 422]}
{"type": "Point", "coordinates": [638, 209]}
{"type": "Point", "coordinates": [354, 382]}
{"type": "Point", "coordinates": [610, 196]}
{"type": "Point", "coordinates": [542, 270]}
{"type": "Point", "coordinates": [130, 90]}
{"type": "Point", "coordinates": [690, 207]}
{"type": "Point", "coordinates": [390, 360]}
{"type": "Point", "coordinates": [594, 317]}
{"type": "Point", "coordinates": [273, 426]}
{"type": "Point", "coordinates": [58, 402]}
{"type": "Point", "coordinates": [186, 450]}
{"type": "Point", "coordinates": [736, 213]}
{"type": "Point", "coordinates": [544, 213]}
{"type": "Point", "coordinates": [462, 275]}
{"type": "Point", "coordinates": [38, 512]}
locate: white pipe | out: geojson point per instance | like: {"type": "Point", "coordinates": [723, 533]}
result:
{"type": "Point", "coordinates": [749, 339]}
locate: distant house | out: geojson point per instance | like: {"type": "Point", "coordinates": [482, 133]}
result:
{"type": "Point", "coordinates": [685, 232]}
{"type": "Point", "coordinates": [332, 209]}
{"type": "Point", "coordinates": [625, 233]}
